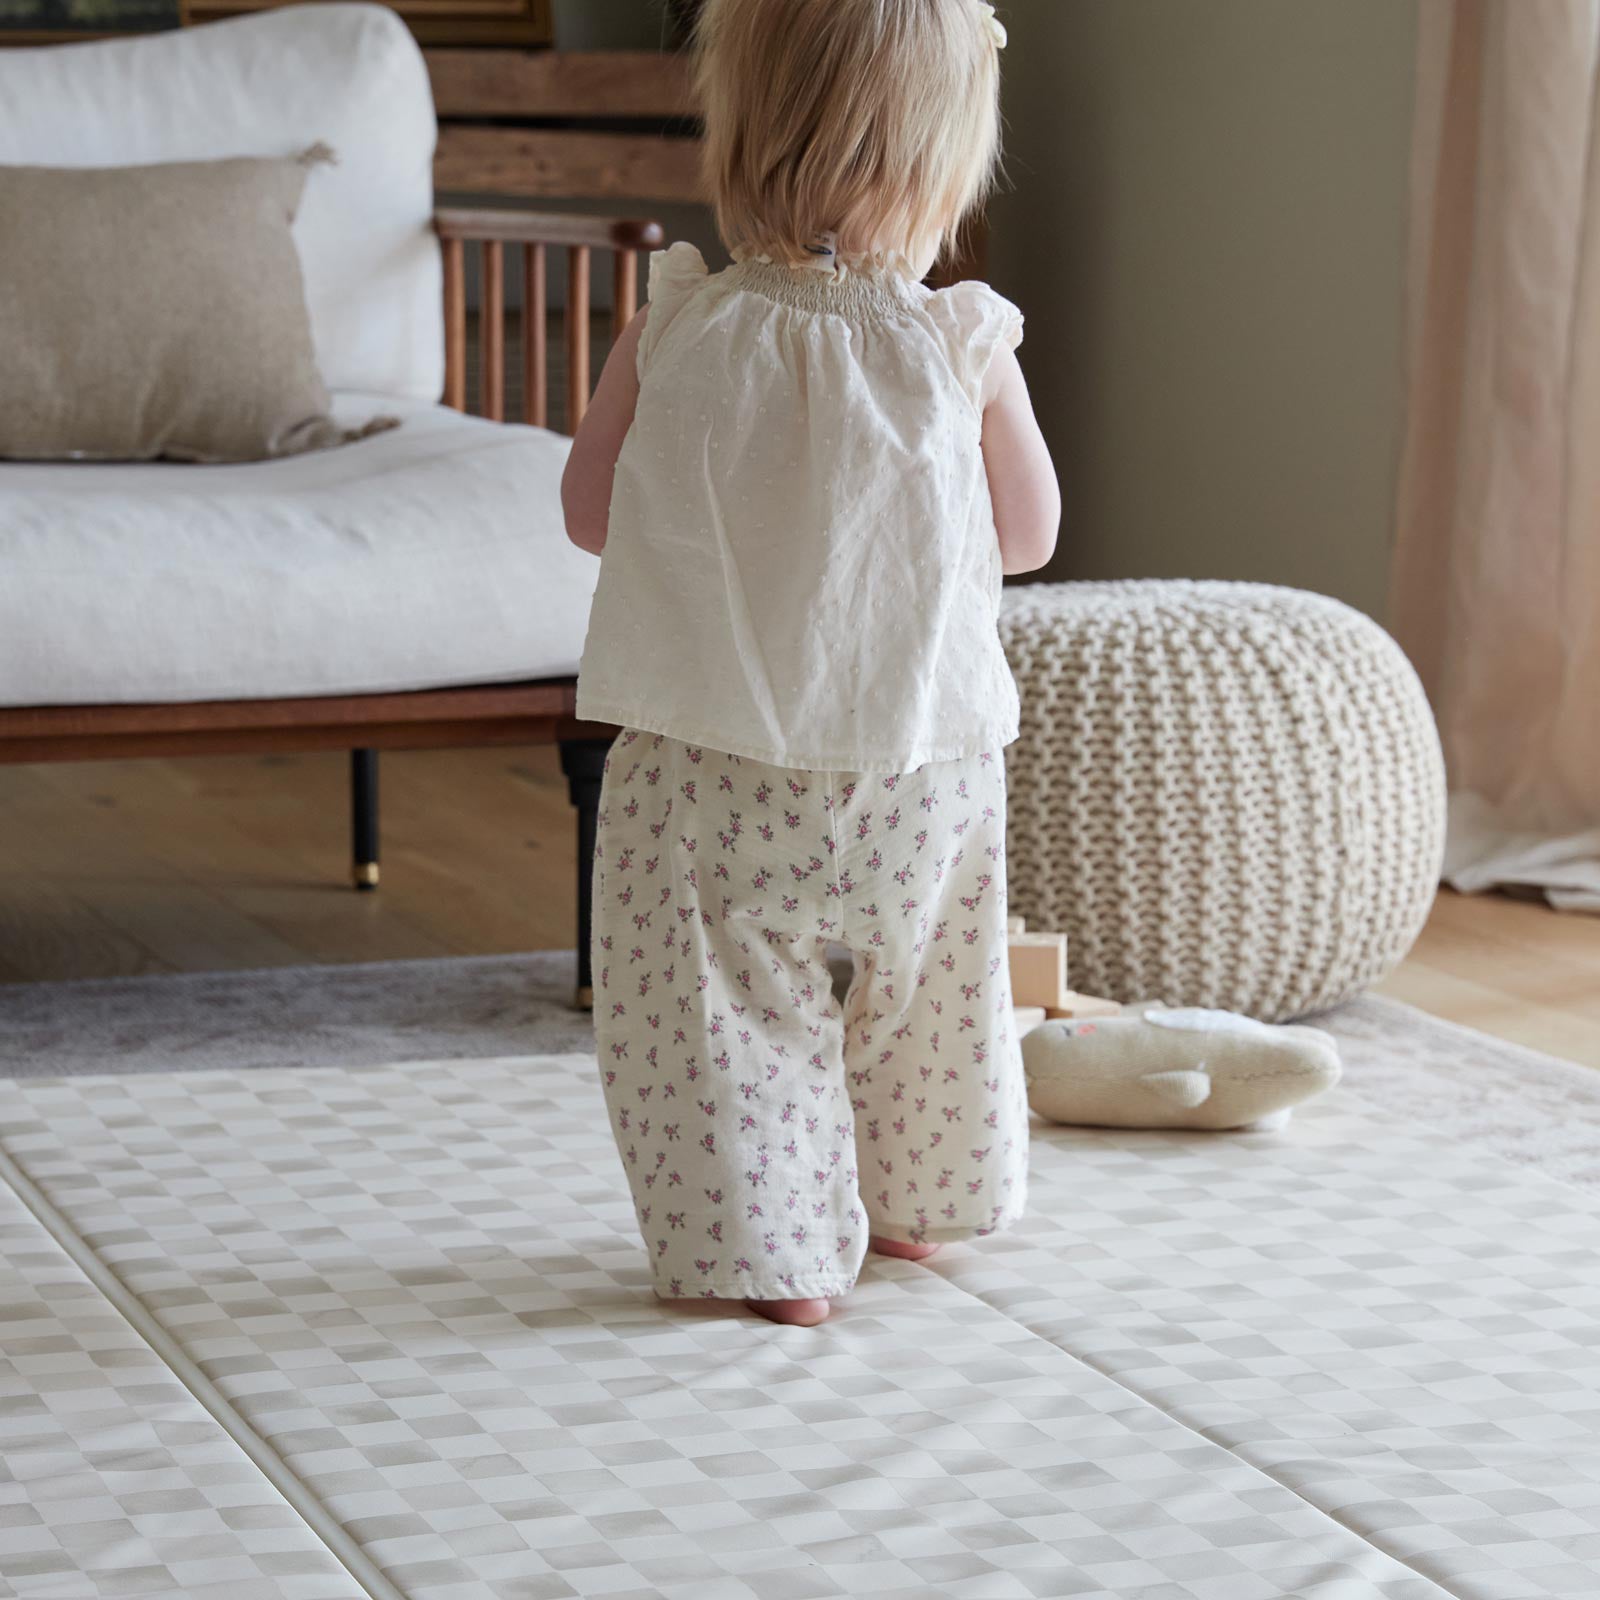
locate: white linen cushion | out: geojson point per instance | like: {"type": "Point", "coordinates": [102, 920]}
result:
{"type": "Point", "coordinates": [434, 554]}
{"type": "Point", "coordinates": [270, 85]}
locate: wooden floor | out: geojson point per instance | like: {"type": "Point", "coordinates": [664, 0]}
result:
{"type": "Point", "coordinates": [173, 866]}
{"type": "Point", "coordinates": [1513, 968]}
{"type": "Point", "coordinates": [112, 868]}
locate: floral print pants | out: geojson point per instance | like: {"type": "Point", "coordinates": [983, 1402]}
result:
{"type": "Point", "coordinates": [765, 1129]}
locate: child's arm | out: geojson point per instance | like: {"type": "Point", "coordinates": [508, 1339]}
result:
{"type": "Point", "coordinates": [586, 484]}
{"type": "Point", "coordinates": [1022, 479]}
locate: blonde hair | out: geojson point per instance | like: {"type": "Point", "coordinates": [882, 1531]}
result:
{"type": "Point", "coordinates": [877, 120]}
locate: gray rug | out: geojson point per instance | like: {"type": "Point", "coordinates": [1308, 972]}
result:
{"type": "Point", "coordinates": [337, 1016]}
{"type": "Point", "coordinates": [1521, 1106]}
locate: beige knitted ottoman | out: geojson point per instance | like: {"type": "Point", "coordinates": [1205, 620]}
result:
{"type": "Point", "coordinates": [1225, 794]}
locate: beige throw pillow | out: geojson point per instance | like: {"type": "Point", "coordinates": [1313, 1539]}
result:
{"type": "Point", "coordinates": [157, 311]}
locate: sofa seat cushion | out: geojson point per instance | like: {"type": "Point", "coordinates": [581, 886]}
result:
{"type": "Point", "coordinates": [430, 555]}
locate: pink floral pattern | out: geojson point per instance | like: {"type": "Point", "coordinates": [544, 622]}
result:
{"type": "Point", "coordinates": [766, 1130]}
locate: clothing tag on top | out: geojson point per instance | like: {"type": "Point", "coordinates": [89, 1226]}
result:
{"type": "Point", "coordinates": [825, 248]}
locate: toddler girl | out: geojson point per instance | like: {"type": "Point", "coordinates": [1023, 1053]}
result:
{"type": "Point", "coordinates": [807, 474]}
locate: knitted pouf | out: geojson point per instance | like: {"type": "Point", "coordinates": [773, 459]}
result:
{"type": "Point", "coordinates": [1225, 794]}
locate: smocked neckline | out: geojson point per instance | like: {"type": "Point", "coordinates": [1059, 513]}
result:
{"type": "Point", "coordinates": [846, 291]}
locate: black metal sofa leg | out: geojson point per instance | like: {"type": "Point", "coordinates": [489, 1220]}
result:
{"type": "Point", "coordinates": [584, 762]}
{"type": "Point", "coordinates": [364, 818]}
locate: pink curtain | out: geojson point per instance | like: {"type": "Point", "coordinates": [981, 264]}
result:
{"type": "Point", "coordinates": [1497, 569]}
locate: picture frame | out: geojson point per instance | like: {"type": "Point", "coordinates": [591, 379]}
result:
{"type": "Point", "coordinates": [29, 22]}
{"type": "Point", "coordinates": [525, 23]}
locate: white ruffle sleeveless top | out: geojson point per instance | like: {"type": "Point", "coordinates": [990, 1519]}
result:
{"type": "Point", "coordinates": [801, 564]}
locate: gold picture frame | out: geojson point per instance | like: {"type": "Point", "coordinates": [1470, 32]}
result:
{"type": "Point", "coordinates": [526, 23]}
{"type": "Point", "coordinates": [28, 22]}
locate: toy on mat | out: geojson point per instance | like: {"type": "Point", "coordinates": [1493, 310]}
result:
{"type": "Point", "coordinates": [1039, 980]}
{"type": "Point", "coordinates": [1159, 1068]}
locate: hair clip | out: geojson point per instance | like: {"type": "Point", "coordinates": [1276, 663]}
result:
{"type": "Point", "coordinates": [997, 29]}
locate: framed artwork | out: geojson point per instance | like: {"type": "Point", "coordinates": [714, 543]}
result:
{"type": "Point", "coordinates": [444, 22]}
{"type": "Point", "coordinates": [55, 21]}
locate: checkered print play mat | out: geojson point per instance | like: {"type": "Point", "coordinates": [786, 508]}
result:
{"type": "Point", "coordinates": [383, 1333]}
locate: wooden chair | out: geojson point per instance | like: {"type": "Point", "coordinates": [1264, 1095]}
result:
{"type": "Point", "coordinates": [536, 125]}
{"type": "Point", "coordinates": [541, 712]}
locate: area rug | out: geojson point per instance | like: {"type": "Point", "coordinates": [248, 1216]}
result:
{"type": "Point", "coordinates": [1525, 1107]}
{"type": "Point", "coordinates": [385, 1332]}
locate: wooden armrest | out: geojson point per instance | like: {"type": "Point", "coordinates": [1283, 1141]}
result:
{"type": "Point", "coordinates": [546, 227]}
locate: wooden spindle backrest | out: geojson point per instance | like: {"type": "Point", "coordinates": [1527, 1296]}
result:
{"type": "Point", "coordinates": [535, 234]}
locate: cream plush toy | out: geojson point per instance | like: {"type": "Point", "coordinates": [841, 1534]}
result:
{"type": "Point", "coordinates": [1157, 1068]}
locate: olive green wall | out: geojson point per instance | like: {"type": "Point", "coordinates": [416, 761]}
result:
{"type": "Point", "coordinates": [1204, 225]}
{"type": "Point", "coordinates": [1205, 230]}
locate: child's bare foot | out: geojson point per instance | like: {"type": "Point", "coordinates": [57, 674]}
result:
{"type": "Point", "coordinates": [902, 1250]}
{"type": "Point", "coordinates": [792, 1313]}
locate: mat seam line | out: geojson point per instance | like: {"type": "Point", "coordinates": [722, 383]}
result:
{"type": "Point", "coordinates": [318, 1520]}
{"type": "Point", "coordinates": [1189, 1427]}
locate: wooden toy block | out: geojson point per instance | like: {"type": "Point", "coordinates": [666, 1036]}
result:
{"type": "Point", "coordinates": [1083, 1005]}
{"type": "Point", "coordinates": [1038, 968]}
{"type": "Point", "coordinates": [1028, 1018]}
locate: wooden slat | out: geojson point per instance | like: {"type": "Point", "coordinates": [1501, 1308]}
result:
{"type": "Point", "coordinates": [545, 163]}
{"type": "Point", "coordinates": [535, 336]}
{"type": "Point", "coordinates": [451, 23]}
{"type": "Point", "coordinates": [548, 83]}
{"type": "Point", "coordinates": [409, 8]}
{"type": "Point", "coordinates": [455, 325]}
{"type": "Point", "coordinates": [492, 331]}
{"type": "Point", "coordinates": [577, 330]}
{"type": "Point", "coordinates": [624, 291]}
{"type": "Point", "coordinates": [546, 227]}
{"type": "Point", "coordinates": [283, 741]}
{"type": "Point", "coordinates": [552, 697]}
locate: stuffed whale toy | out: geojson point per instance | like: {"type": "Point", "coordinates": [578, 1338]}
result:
{"type": "Point", "coordinates": [1153, 1067]}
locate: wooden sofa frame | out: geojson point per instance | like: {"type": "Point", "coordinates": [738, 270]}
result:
{"type": "Point", "coordinates": [536, 712]}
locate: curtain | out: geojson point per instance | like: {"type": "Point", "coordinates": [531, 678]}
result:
{"type": "Point", "coordinates": [1496, 582]}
